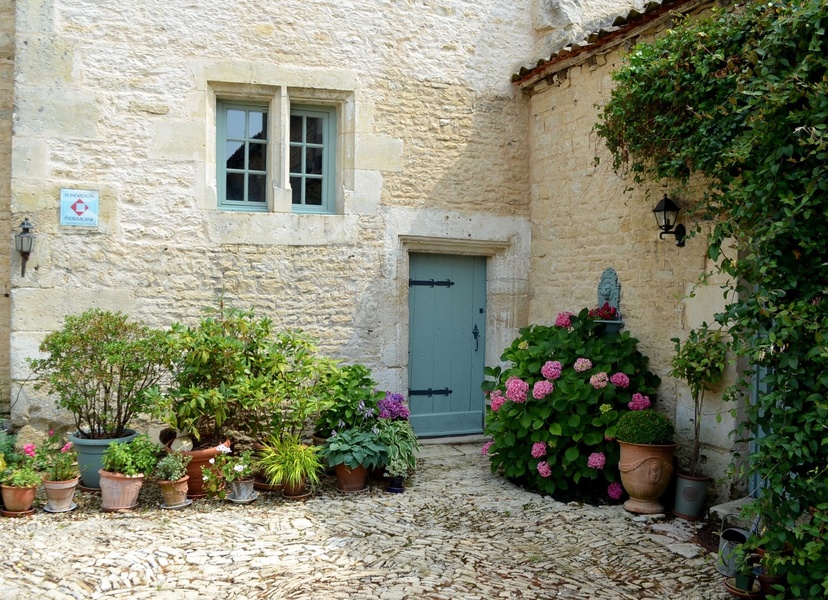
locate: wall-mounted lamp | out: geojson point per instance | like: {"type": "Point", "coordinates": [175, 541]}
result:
{"type": "Point", "coordinates": [24, 243]}
{"type": "Point", "coordinates": [665, 213]}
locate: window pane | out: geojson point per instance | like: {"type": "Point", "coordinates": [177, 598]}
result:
{"type": "Point", "coordinates": [257, 125]}
{"type": "Point", "coordinates": [295, 128]}
{"type": "Point", "coordinates": [235, 123]}
{"type": "Point", "coordinates": [313, 161]}
{"type": "Point", "coordinates": [258, 157]}
{"type": "Point", "coordinates": [295, 159]}
{"type": "Point", "coordinates": [235, 155]}
{"type": "Point", "coordinates": [314, 135]}
{"type": "Point", "coordinates": [296, 187]}
{"type": "Point", "coordinates": [256, 188]}
{"type": "Point", "coordinates": [313, 192]}
{"type": "Point", "coordinates": [235, 186]}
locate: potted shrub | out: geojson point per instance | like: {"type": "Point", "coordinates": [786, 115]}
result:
{"type": "Point", "coordinates": [351, 452]}
{"type": "Point", "coordinates": [701, 362]}
{"type": "Point", "coordinates": [171, 474]}
{"type": "Point", "coordinates": [125, 464]}
{"type": "Point", "coordinates": [353, 395]}
{"type": "Point", "coordinates": [19, 482]}
{"type": "Point", "coordinates": [56, 460]}
{"type": "Point", "coordinates": [101, 367]}
{"type": "Point", "coordinates": [396, 471]}
{"type": "Point", "coordinates": [291, 464]}
{"type": "Point", "coordinates": [646, 463]}
{"type": "Point", "coordinates": [234, 469]}
{"type": "Point", "coordinates": [394, 431]}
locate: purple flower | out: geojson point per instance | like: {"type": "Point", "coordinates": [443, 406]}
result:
{"type": "Point", "coordinates": [393, 407]}
{"type": "Point", "coordinates": [551, 369]}
{"type": "Point", "coordinates": [538, 449]}
{"type": "Point", "coordinates": [544, 469]}
{"type": "Point", "coordinates": [563, 319]}
{"type": "Point", "coordinates": [497, 400]}
{"type": "Point", "coordinates": [485, 449]}
{"type": "Point", "coordinates": [599, 380]}
{"type": "Point", "coordinates": [615, 490]}
{"type": "Point", "coordinates": [583, 364]}
{"type": "Point", "coordinates": [620, 380]}
{"type": "Point", "coordinates": [542, 389]}
{"type": "Point", "coordinates": [639, 402]}
{"type": "Point", "coordinates": [596, 460]}
{"type": "Point", "coordinates": [516, 389]}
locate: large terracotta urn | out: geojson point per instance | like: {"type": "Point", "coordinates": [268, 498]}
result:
{"type": "Point", "coordinates": [646, 470]}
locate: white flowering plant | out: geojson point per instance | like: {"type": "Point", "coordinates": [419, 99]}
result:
{"type": "Point", "coordinates": [226, 467]}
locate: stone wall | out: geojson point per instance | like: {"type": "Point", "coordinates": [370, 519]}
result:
{"type": "Point", "coordinates": [6, 225]}
{"type": "Point", "coordinates": [120, 98]}
{"type": "Point", "coordinates": [583, 221]}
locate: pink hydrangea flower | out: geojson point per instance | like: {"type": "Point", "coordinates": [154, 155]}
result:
{"type": "Point", "coordinates": [29, 449]}
{"type": "Point", "coordinates": [583, 364]}
{"type": "Point", "coordinates": [516, 389]}
{"type": "Point", "coordinates": [538, 449]}
{"type": "Point", "coordinates": [614, 490]}
{"type": "Point", "coordinates": [544, 469]}
{"type": "Point", "coordinates": [542, 389]}
{"type": "Point", "coordinates": [620, 380]}
{"type": "Point", "coordinates": [563, 319]}
{"type": "Point", "coordinates": [596, 460]}
{"type": "Point", "coordinates": [551, 369]}
{"type": "Point", "coordinates": [485, 449]}
{"type": "Point", "coordinates": [639, 402]}
{"type": "Point", "coordinates": [496, 400]}
{"type": "Point", "coordinates": [599, 380]}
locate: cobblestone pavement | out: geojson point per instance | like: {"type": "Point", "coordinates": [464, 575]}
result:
{"type": "Point", "coordinates": [458, 532]}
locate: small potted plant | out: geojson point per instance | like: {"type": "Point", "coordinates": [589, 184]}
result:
{"type": "Point", "coordinates": [101, 368]}
{"type": "Point", "coordinates": [646, 463]}
{"type": "Point", "coordinates": [351, 452]}
{"type": "Point", "coordinates": [396, 471]}
{"type": "Point", "coordinates": [19, 482]}
{"type": "Point", "coordinates": [291, 464]}
{"type": "Point", "coordinates": [701, 362]}
{"type": "Point", "coordinates": [234, 469]}
{"type": "Point", "coordinates": [56, 459]}
{"type": "Point", "coordinates": [125, 464]}
{"type": "Point", "coordinates": [394, 431]}
{"type": "Point", "coordinates": [171, 474]}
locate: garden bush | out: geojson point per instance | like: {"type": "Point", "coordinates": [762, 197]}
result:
{"type": "Point", "coordinates": [553, 411]}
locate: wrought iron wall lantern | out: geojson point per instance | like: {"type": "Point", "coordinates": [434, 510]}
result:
{"type": "Point", "coordinates": [666, 213]}
{"type": "Point", "coordinates": [24, 243]}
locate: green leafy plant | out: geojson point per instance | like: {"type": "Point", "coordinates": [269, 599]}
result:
{"type": "Point", "coordinates": [22, 469]}
{"type": "Point", "coordinates": [171, 467]}
{"type": "Point", "coordinates": [554, 407]}
{"type": "Point", "coordinates": [739, 100]}
{"type": "Point", "coordinates": [354, 448]}
{"type": "Point", "coordinates": [227, 467]}
{"type": "Point", "coordinates": [644, 427]}
{"type": "Point", "coordinates": [289, 462]}
{"type": "Point", "coordinates": [701, 362]}
{"type": "Point", "coordinates": [353, 394]}
{"type": "Point", "coordinates": [7, 453]}
{"type": "Point", "coordinates": [137, 457]}
{"type": "Point", "coordinates": [401, 441]}
{"type": "Point", "coordinates": [56, 458]}
{"type": "Point", "coordinates": [102, 367]}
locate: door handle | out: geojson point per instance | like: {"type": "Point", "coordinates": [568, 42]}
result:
{"type": "Point", "coordinates": [476, 335]}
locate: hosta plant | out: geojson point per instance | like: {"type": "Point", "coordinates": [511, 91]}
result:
{"type": "Point", "coordinates": [553, 409]}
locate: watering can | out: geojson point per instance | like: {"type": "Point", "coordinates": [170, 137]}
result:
{"type": "Point", "coordinates": [729, 539]}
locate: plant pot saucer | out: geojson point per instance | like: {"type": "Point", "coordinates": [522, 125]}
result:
{"type": "Point", "coordinates": [72, 506]}
{"type": "Point", "coordinates": [184, 504]}
{"type": "Point", "coordinates": [247, 500]}
{"type": "Point", "coordinates": [120, 508]}
{"type": "Point", "coordinates": [83, 488]}
{"type": "Point", "coordinates": [394, 490]}
{"type": "Point", "coordinates": [16, 513]}
{"type": "Point", "coordinates": [267, 487]}
{"type": "Point", "coordinates": [359, 491]}
{"type": "Point", "coordinates": [754, 593]}
{"type": "Point", "coordinates": [303, 496]}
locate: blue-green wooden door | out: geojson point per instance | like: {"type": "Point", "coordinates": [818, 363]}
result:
{"type": "Point", "coordinates": [447, 341]}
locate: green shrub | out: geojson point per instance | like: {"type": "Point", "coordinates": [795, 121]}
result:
{"type": "Point", "coordinates": [137, 457]}
{"type": "Point", "coordinates": [549, 442]}
{"type": "Point", "coordinates": [644, 427]}
{"type": "Point", "coordinates": [354, 399]}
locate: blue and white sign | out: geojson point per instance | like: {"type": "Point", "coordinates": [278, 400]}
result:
{"type": "Point", "coordinates": [79, 208]}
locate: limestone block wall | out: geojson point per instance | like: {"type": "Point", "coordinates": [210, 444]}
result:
{"type": "Point", "coordinates": [6, 110]}
{"type": "Point", "coordinates": [583, 222]}
{"type": "Point", "coordinates": [120, 98]}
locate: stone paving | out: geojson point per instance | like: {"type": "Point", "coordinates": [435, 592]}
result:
{"type": "Point", "coordinates": [458, 532]}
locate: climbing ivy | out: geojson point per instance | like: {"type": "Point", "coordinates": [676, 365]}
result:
{"type": "Point", "coordinates": [739, 99]}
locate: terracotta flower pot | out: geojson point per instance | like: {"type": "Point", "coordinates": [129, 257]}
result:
{"type": "Point", "coordinates": [199, 459]}
{"type": "Point", "coordinates": [119, 492]}
{"type": "Point", "coordinates": [645, 473]}
{"type": "Point", "coordinates": [297, 491]}
{"type": "Point", "coordinates": [174, 492]}
{"type": "Point", "coordinates": [350, 480]}
{"type": "Point", "coordinates": [59, 494]}
{"type": "Point", "coordinates": [18, 499]}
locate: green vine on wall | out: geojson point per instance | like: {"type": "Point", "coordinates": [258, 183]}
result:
{"type": "Point", "coordinates": [739, 99]}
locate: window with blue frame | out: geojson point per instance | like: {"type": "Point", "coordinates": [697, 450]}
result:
{"type": "Point", "coordinates": [242, 157]}
{"type": "Point", "coordinates": [312, 144]}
